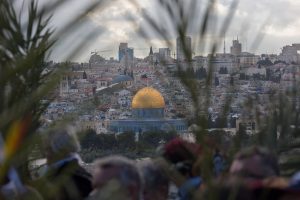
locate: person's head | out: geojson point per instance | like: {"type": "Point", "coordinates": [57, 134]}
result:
{"type": "Point", "coordinates": [156, 183]}
{"type": "Point", "coordinates": [116, 174]}
{"type": "Point", "coordinates": [61, 142]}
{"type": "Point", "coordinates": [255, 163]}
{"type": "Point", "coordinates": [183, 155]}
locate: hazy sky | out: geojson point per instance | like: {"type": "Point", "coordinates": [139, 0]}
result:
{"type": "Point", "coordinates": [277, 21]}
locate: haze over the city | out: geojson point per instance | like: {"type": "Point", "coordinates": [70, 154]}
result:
{"type": "Point", "coordinates": [150, 99]}
{"type": "Point", "coordinates": [121, 21]}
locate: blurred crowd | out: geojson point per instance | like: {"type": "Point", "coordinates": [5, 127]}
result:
{"type": "Point", "coordinates": [181, 170]}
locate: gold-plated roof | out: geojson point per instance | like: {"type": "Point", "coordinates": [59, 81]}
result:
{"type": "Point", "coordinates": [148, 97]}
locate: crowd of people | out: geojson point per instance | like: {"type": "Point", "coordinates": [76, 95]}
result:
{"type": "Point", "coordinates": [181, 170]}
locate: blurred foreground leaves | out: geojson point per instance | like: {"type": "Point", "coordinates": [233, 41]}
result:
{"type": "Point", "coordinates": [26, 40]}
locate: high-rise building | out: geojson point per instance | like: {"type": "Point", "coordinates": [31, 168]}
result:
{"type": "Point", "coordinates": [236, 48]}
{"type": "Point", "coordinates": [164, 54]}
{"type": "Point", "coordinates": [290, 53]}
{"type": "Point", "coordinates": [125, 52]}
{"type": "Point", "coordinates": [184, 48]}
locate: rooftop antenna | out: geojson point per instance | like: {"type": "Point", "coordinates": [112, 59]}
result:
{"type": "Point", "coordinates": [224, 46]}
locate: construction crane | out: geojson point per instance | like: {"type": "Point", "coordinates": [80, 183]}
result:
{"type": "Point", "coordinates": [96, 51]}
{"type": "Point", "coordinates": [143, 49]}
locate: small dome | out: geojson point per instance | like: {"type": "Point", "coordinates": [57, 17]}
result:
{"type": "Point", "coordinates": [148, 98]}
{"type": "Point", "coordinates": [121, 78]}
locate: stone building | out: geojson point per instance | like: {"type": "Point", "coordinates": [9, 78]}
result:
{"type": "Point", "coordinates": [148, 115]}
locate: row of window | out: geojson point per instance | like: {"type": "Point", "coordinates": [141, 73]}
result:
{"type": "Point", "coordinates": [139, 128]}
{"type": "Point", "coordinates": [180, 128]}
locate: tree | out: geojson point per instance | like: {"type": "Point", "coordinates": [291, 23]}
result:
{"type": "Point", "coordinates": [126, 140]}
{"type": "Point", "coordinates": [217, 82]}
{"type": "Point", "coordinates": [152, 139]}
{"type": "Point", "coordinates": [89, 139]}
{"type": "Point", "coordinates": [24, 80]}
{"type": "Point", "coordinates": [240, 139]}
{"type": "Point", "coordinates": [22, 64]}
{"type": "Point", "coordinates": [266, 62]}
{"type": "Point", "coordinates": [231, 81]}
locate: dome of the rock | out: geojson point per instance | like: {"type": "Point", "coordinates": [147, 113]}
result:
{"type": "Point", "coordinates": [148, 98]}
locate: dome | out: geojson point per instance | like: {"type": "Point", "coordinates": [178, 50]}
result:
{"type": "Point", "coordinates": [121, 78]}
{"type": "Point", "coordinates": [148, 98]}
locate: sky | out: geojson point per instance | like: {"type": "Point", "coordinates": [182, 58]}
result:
{"type": "Point", "coordinates": [262, 26]}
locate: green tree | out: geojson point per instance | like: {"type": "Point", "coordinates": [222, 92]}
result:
{"type": "Point", "coordinates": [23, 82]}
{"type": "Point", "coordinates": [22, 64]}
{"type": "Point", "coordinates": [126, 140]}
{"type": "Point", "coordinates": [89, 139]}
{"type": "Point", "coordinates": [24, 47]}
{"type": "Point", "coordinates": [152, 139]}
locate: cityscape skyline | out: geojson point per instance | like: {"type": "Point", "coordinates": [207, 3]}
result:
{"type": "Point", "coordinates": [185, 83]}
{"type": "Point", "coordinates": [106, 53]}
{"type": "Point", "coordinates": [121, 22]}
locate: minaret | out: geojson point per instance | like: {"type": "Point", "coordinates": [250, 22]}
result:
{"type": "Point", "coordinates": [151, 56]}
{"type": "Point", "coordinates": [151, 51]}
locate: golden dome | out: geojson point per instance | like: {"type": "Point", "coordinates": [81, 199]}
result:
{"type": "Point", "coordinates": [148, 98]}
